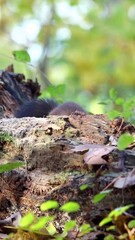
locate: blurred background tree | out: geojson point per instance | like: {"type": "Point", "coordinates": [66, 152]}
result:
{"type": "Point", "coordinates": [89, 46]}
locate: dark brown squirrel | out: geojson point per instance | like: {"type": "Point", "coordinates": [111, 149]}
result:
{"type": "Point", "coordinates": [44, 107]}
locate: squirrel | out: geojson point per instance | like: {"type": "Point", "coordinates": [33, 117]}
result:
{"type": "Point", "coordinates": [44, 107]}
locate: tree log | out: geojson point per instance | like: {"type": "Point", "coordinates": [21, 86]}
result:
{"type": "Point", "coordinates": [57, 153]}
{"type": "Point", "coordinates": [52, 168]}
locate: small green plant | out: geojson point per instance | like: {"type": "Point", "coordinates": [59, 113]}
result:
{"type": "Point", "coordinates": [5, 137]}
{"type": "Point", "coordinates": [125, 109]}
{"type": "Point", "coordinates": [10, 166]}
{"type": "Point", "coordinates": [44, 225]}
{"type": "Point", "coordinates": [121, 107]}
{"type": "Point", "coordinates": [114, 214]}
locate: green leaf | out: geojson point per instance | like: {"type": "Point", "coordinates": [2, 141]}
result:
{"type": "Point", "coordinates": [40, 223]}
{"type": "Point", "coordinates": [60, 89]}
{"type": "Point", "coordinates": [113, 114]}
{"type": "Point", "coordinates": [109, 237]}
{"type": "Point", "coordinates": [51, 229]}
{"type": "Point", "coordinates": [69, 225]}
{"type": "Point", "coordinates": [27, 220]}
{"type": "Point", "coordinates": [83, 187]}
{"type": "Point", "coordinates": [129, 104]}
{"type": "Point", "coordinates": [5, 137]}
{"type": "Point", "coordinates": [54, 91]}
{"type": "Point", "coordinates": [50, 204]}
{"type": "Point", "coordinates": [113, 93]}
{"type": "Point", "coordinates": [10, 166]}
{"type": "Point", "coordinates": [111, 228]}
{"type": "Point", "coordinates": [131, 224]}
{"type": "Point", "coordinates": [119, 101]}
{"type": "Point", "coordinates": [127, 114]}
{"type": "Point", "coordinates": [70, 207]}
{"type": "Point", "coordinates": [124, 141]}
{"type": "Point", "coordinates": [105, 221]}
{"type": "Point", "coordinates": [84, 229]}
{"type": "Point", "coordinates": [21, 56]}
{"type": "Point", "coordinates": [98, 197]}
{"type": "Point", "coordinates": [118, 211]}
{"type": "Point", "coordinates": [114, 214]}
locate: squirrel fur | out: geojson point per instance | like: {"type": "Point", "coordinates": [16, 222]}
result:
{"type": "Point", "coordinates": [44, 107]}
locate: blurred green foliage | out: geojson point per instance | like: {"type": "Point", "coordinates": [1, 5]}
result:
{"type": "Point", "coordinates": [89, 46]}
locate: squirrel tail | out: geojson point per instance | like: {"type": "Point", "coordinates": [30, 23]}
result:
{"type": "Point", "coordinates": [36, 108]}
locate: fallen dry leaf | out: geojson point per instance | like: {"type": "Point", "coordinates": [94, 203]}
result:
{"type": "Point", "coordinates": [13, 220]}
{"type": "Point", "coordinates": [95, 153]}
{"type": "Point", "coordinates": [125, 181]}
